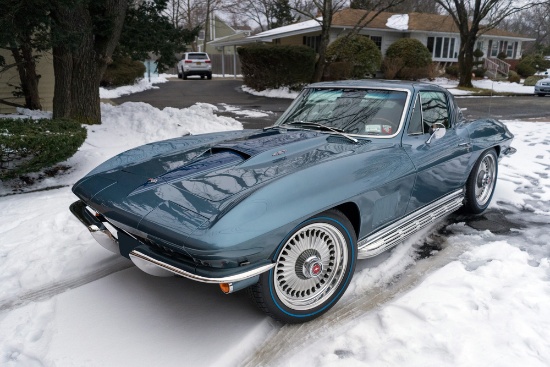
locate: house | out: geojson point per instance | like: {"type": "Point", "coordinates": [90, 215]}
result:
{"type": "Point", "coordinates": [222, 34]}
{"type": "Point", "coordinates": [437, 32]}
{"type": "Point", "coordinates": [9, 79]}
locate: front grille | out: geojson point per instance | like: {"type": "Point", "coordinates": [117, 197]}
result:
{"type": "Point", "coordinates": [167, 249]}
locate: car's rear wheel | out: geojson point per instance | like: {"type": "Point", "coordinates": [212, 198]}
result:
{"type": "Point", "coordinates": [209, 76]}
{"type": "Point", "coordinates": [481, 182]}
{"type": "Point", "coordinates": [314, 266]}
{"type": "Point", "coordinates": [185, 76]}
{"type": "Point", "coordinates": [179, 74]}
{"type": "Point", "coordinates": [541, 94]}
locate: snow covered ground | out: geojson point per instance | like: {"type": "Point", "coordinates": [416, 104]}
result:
{"type": "Point", "coordinates": [65, 301]}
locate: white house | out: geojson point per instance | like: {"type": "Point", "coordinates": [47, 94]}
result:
{"type": "Point", "coordinates": [438, 32]}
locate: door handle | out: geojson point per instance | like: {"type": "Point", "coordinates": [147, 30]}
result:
{"type": "Point", "coordinates": [465, 145]}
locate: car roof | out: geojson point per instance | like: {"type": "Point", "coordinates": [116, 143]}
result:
{"type": "Point", "coordinates": [376, 83]}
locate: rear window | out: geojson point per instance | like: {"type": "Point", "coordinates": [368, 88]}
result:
{"type": "Point", "coordinates": [197, 56]}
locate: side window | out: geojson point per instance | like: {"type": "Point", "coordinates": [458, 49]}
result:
{"type": "Point", "coordinates": [434, 109]}
{"type": "Point", "coordinates": [415, 126]}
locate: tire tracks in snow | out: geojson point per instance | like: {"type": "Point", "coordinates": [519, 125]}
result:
{"type": "Point", "coordinates": [53, 289]}
{"type": "Point", "coordinates": [291, 338]}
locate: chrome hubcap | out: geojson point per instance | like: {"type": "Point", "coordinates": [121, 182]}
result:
{"type": "Point", "coordinates": [485, 179]}
{"type": "Point", "coordinates": [310, 266]}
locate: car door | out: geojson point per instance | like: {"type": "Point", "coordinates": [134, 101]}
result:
{"type": "Point", "coordinates": [441, 162]}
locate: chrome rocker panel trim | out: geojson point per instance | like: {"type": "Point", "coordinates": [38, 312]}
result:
{"type": "Point", "coordinates": [397, 232]}
{"type": "Point", "coordinates": [153, 266]}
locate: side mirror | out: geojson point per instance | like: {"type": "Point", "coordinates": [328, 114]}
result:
{"type": "Point", "coordinates": [438, 131]}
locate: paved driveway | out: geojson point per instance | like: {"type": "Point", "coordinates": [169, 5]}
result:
{"type": "Point", "coordinates": [185, 93]}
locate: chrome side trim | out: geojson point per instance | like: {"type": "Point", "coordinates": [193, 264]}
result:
{"type": "Point", "coordinates": [397, 232]}
{"type": "Point", "coordinates": [150, 265]}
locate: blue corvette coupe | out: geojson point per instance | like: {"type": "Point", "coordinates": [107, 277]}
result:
{"type": "Point", "coordinates": [351, 169]}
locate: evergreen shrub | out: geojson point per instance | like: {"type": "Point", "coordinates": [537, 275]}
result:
{"type": "Point", "coordinates": [413, 55]}
{"type": "Point", "coordinates": [452, 70]}
{"type": "Point", "coordinates": [28, 145]}
{"type": "Point", "coordinates": [358, 51]}
{"type": "Point", "coordinates": [532, 80]}
{"type": "Point", "coordinates": [276, 66]}
{"type": "Point", "coordinates": [122, 71]}
{"type": "Point", "coordinates": [479, 72]}
{"type": "Point", "coordinates": [513, 77]}
{"type": "Point", "coordinates": [530, 64]}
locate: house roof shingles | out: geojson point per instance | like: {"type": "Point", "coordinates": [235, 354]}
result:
{"type": "Point", "coordinates": [418, 22]}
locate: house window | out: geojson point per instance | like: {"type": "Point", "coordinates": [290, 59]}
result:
{"type": "Point", "coordinates": [494, 49]}
{"type": "Point", "coordinates": [510, 50]}
{"type": "Point", "coordinates": [515, 54]}
{"type": "Point", "coordinates": [480, 45]}
{"type": "Point", "coordinates": [313, 42]}
{"type": "Point", "coordinates": [438, 42]}
{"type": "Point", "coordinates": [377, 41]}
{"type": "Point", "coordinates": [442, 47]}
{"type": "Point", "coordinates": [430, 44]}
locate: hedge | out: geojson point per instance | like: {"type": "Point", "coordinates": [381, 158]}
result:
{"type": "Point", "coordinates": [122, 71]}
{"type": "Point", "coordinates": [407, 58]}
{"type": "Point", "coordinates": [276, 66]}
{"type": "Point", "coordinates": [28, 145]}
{"type": "Point", "coordinates": [360, 52]}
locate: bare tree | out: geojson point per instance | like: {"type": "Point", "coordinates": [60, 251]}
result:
{"type": "Point", "coordinates": [325, 12]}
{"type": "Point", "coordinates": [475, 17]}
{"type": "Point", "coordinates": [534, 23]}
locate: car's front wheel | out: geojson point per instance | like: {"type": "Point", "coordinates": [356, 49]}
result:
{"type": "Point", "coordinates": [314, 266]}
{"type": "Point", "coordinates": [481, 182]}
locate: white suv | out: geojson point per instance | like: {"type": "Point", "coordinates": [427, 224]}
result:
{"type": "Point", "coordinates": [195, 63]}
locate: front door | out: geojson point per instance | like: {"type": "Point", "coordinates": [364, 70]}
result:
{"type": "Point", "coordinates": [441, 163]}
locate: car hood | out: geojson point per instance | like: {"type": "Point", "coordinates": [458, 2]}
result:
{"type": "Point", "coordinates": [196, 181]}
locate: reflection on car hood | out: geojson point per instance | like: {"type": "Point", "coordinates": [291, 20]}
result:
{"type": "Point", "coordinates": [202, 178]}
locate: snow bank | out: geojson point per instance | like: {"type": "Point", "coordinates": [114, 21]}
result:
{"type": "Point", "coordinates": [131, 124]}
{"type": "Point", "coordinates": [140, 86]}
{"type": "Point", "coordinates": [272, 93]}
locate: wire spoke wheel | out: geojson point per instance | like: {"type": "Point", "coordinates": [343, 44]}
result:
{"type": "Point", "coordinates": [481, 183]}
{"type": "Point", "coordinates": [310, 266]}
{"type": "Point", "coordinates": [314, 265]}
{"type": "Point", "coordinates": [485, 180]}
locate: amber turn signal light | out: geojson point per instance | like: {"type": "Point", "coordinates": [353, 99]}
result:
{"type": "Point", "coordinates": [225, 287]}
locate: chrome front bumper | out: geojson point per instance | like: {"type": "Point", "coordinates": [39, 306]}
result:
{"type": "Point", "coordinates": [95, 225]}
{"type": "Point", "coordinates": [98, 227]}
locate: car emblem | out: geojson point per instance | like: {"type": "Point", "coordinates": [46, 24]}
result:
{"type": "Point", "coordinates": [278, 153]}
{"type": "Point", "coordinates": [152, 180]}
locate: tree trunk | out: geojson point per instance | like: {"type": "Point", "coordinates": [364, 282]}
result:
{"type": "Point", "coordinates": [26, 67]}
{"type": "Point", "coordinates": [325, 38]}
{"type": "Point", "coordinates": [63, 72]}
{"type": "Point", "coordinates": [466, 61]}
{"type": "Point", "coordinates": [79, 67]}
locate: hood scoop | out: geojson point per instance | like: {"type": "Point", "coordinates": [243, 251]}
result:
{"type": "Point", "coordinates": [209, 161]}
{"type": "Point", "coordinates": [263, 142]}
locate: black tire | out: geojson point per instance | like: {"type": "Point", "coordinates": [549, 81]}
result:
{"type": "Point", "coordinates": [541, 94]}
{"type": "Point", "coordinates": [179, 74]}
{"type": "Point", "coordinates": [481, 183]}
{"type": "Point", "coordinates": [185, 76]}
{"type": "Point", "coordinates": [209, 76]}
{"type": "Point", "coordinates": [318, 271]}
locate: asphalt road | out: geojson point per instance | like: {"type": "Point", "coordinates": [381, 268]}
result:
{"type": "Point", "coordinates": [184, 93]}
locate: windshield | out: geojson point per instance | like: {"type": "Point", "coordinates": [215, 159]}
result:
{"type": "Point", "coordinates": [352, 111]}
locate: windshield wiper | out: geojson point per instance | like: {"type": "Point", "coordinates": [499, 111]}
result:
{"type": "Point", "coordinates": [321, 127]}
